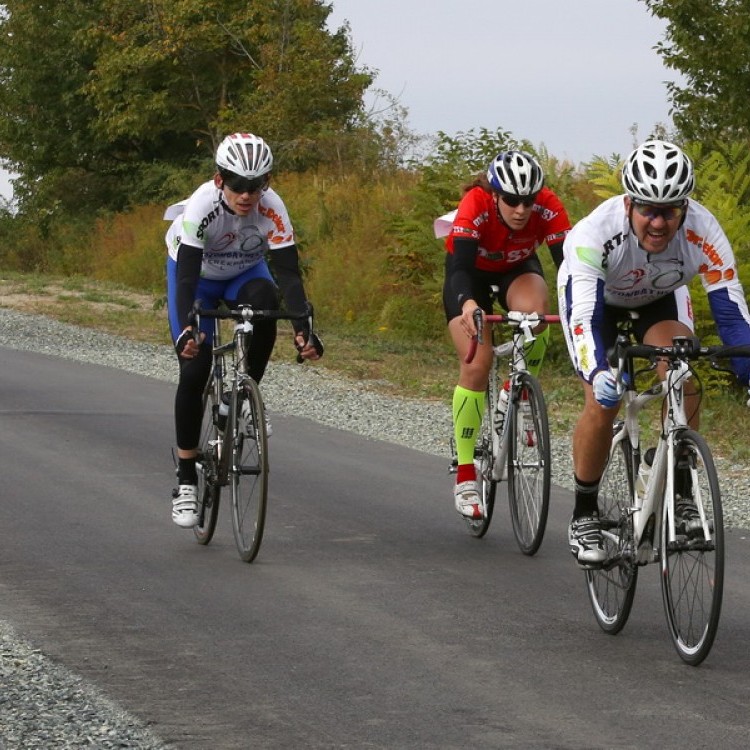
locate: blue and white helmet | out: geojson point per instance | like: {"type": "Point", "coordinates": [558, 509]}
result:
{"type": "Point", "coordinates": [515, 173]}
{"type": "Point", "coordinates": [244, 154]}
{"type": "Point", "coordinates": [658, 172]}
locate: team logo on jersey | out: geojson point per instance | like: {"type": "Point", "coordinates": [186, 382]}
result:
{"type": "Point", "coordinates": [252, 241]}
{"type": "Point", "coordinates": [207, 219]}
{"type": "Point", "coordinates": [629, 280]}
{"type": "Point", "coordinates": [667, 273]}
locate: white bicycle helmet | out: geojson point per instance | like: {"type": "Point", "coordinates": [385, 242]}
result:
{"type": "Point", "coordinates": [244, 154]}
{"type": "Point", "coordinates": [658, 172]}
{"type": "Point", "coordinates": [515, 173]}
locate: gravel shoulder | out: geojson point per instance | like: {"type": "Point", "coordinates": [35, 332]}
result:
{"type": "Point", "coordinates": [43, 705]}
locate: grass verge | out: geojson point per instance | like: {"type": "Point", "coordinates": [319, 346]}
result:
{"type": "Point", "coordinates": [426, 369]}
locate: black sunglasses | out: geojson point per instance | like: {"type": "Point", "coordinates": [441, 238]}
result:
{"type": "Point", "coordinates": [238, 184]}
{"type": "Point", "coordinates": [516, 200]}
{"type": "Point", "coordinates": [669, 211]}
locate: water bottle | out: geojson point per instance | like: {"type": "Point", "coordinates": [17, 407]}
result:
{"type": "Point", "coordinates": [221, 420]}
{"type": "Point", "coordinates": [644, 471]}
{"type": "Point", "coordinates": [502, 407]}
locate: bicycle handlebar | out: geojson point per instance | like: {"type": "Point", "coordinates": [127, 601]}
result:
{"type": "Point", "coordinates": [247, 313]}
{"type": "Point", "coordinates": [242, 313]}
{"type": "Point", "coordinates": [512, 318]}
{"type": "Point", "coordinates": [685, 348]}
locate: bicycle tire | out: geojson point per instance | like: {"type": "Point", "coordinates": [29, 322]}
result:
{"type": "Point", "coordinates": [529, 467]}
{"type": "Point", "coordinates": [693, 569]}
{"type": "Point", "coordinates": [483, 461]}
{"type": "Point", "coordinates": [611, 588]}
{"type": "Point", "coordinates": [207, 464]}
{"type": "Point", "coordinates": [249, 469]}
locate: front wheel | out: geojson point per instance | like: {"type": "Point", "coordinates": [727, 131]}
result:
{"type": "Point", "coordinates": [692, 565]}
{"type": "Point", "coordinates": [249, 470]}
{"type": "Point", "coordinates": [207, 467]}
{"type": "Point", "coordinates": [529, 469]}
{"type": "Point", "coordinates": [484, 459]}
{"type": "Point", "coordinates": [611, 588]}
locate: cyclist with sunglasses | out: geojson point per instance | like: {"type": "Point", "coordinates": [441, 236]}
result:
{"type": "Point", "coordinates": [492, 239]}
{"type": "Point", "coordinates": [639, 251]}
{"type": "Point", "coordinates": [223, 243]}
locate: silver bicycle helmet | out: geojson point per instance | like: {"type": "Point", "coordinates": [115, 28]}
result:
{"type": "Point", "coordinates": [244, 154]}
{"type": "Point", "coordinates": [515, 173]}
{"type": "Point", "coordinates": [658, 172]}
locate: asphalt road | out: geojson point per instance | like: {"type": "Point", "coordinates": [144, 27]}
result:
{"type": "Point", "coordinates": [371, 619]}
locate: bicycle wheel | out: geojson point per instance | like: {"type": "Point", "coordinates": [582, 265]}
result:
{"type": "Point", "coordinates": [692, 567]}
{"type": "Point", "coordinates": [483, 462]}
{"type": "Point", "coordinates": [209, 491]}
{"type": "Point", "coordinates": [611, 588]}
{"type": "Point", "coordinates": [249, 470]}
{"type": "Point", "coordinates": [529, 467]}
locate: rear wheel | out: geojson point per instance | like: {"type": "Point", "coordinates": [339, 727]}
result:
{"type": "Point", "coordinates": [249, 470]}
{"type": "Point", "coordinates": [529, 470]}
{"type": "Point", "coordinates": [612, 587]}
{"type": "Point", "coordinates": [206, 466]}
{"type": "Point", "coordinates": [693, 565]}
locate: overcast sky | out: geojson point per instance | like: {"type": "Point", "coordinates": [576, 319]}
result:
{"type": "Point", "coordinates": [574, 75]}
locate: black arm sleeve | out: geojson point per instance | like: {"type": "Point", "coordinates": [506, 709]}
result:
{"type": "Point", "coordinates": [189, 261]}
{"type": "Point", "coordinates": [462, 268]}
{"type": "Point", "coordinates": [556, 251]}
{"type": "Point", "coordinates": [284, 263]}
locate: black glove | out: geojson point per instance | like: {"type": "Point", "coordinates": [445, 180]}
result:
{"type": "Point", "coordinates": [182, 340]}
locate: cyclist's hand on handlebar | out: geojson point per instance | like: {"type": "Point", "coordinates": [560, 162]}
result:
{"type": "Point", "coordinates": [186, 345]}
{"type": "Point", "coordinates": [607, 391]}
{"type": "Point", "coordinates": [468, 320]}
{"type": "Point", "coordinates": [310, 349]}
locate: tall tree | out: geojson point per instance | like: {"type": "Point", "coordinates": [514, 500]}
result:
{"type": "Point", "coordinates": [709, 43]}
{"type": "Point", "coordinates": [125, 84]}
{"type": "Point", "coordinates": [44, 127]}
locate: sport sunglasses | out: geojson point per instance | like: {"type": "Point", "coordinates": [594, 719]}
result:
{"type": "Point", "coordinates": [669, 211]}
{"type": "Point", "coordinates": [238, 184]}
{"type": "Point", "coordinates": [516, 200]}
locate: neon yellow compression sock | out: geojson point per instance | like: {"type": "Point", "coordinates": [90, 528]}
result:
{"type": "Point", "coordinates": [535, 351]}
{"type": "Point", "coordinates": [467, 419]}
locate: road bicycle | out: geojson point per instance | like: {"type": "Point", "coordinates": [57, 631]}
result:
{"type": "Point", "coordinates": [638, 495]}
{"type": "Point", "coordinates": [233, 447]}
{"type": "Point", "coordinates": [515, 439]}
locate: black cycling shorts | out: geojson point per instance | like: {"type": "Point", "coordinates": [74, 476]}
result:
{"type": "Point", "coordinates": [481, 282]}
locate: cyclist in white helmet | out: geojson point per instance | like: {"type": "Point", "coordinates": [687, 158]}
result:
{"type": "Point", "coordinates": [504, 215]}
{"type": "Point", "coordinates": [639, 251]}
{"type": "Point", "coordinates": [220, 246]}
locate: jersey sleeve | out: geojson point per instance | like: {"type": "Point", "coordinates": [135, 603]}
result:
{"type": "Point", "coordinates": [191, 224]}
{"type": "Point", "coordinates": [726, 296]}
{"type": "Point", "coordinates": [470, 216]}
{"type": "Point", "coordinates": [556, 220]}
{"type": "Point", "coordinates": [280, 229]}
{"type": "Point", "coordinates": [584, 261]}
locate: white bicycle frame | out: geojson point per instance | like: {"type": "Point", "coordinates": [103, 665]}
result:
{"type": "Point", "coordinates": [522, 334]}
{"type": "Point", "coordinates": [660, 483]}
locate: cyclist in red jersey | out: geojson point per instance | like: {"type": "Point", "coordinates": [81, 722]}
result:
{"type": "Point", "coordinates": [501, 220]}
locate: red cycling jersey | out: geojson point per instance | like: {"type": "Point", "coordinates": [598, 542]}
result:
{"type": "Point", "coordinates": [500, 248]}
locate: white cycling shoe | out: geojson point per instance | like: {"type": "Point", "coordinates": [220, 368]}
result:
{"type": "Point", "coordinates": [468, 503]}
{"type": "Point", "coordinates": [185, 506]}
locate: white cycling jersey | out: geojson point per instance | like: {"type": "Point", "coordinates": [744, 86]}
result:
{"type": "Point", "coordinates": [604, 263]}
{"type": "Point", "coordinates": [231, 243]}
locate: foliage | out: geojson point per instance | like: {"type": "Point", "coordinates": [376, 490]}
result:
{"type": "Point", "coordinates": [709, 43]}
{"type": "Point", "coordinates": [119, 85]}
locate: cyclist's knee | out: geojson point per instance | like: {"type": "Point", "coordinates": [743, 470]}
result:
{"type": "Point", "coordinates": [260, 293]}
